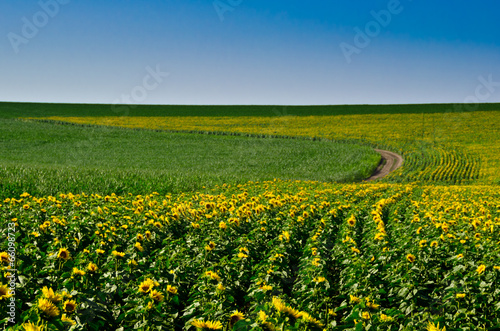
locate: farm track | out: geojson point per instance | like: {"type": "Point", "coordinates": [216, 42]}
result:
{"type": "Point", "coordinates": [390, 162]}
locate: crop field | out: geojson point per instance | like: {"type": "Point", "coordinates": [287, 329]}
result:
{"type": "Point", "coordinates": [439, 147]}
{"type": "Point", "coordinates": [249, 218]}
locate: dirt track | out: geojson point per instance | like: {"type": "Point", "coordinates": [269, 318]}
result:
{"type": "Point", "coordinates": [390, 161]}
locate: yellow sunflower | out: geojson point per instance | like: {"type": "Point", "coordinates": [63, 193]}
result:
{"type": "Point", "coordinates": [33, 327]}
{"type": "Point", "coordinates": [4, 257]}
{"type": "Point", "coordinates": [434, 327]}
{"type": "Point", "coordinates": [67, 320]}
{"type": "Point", "coordinates": [156, 295]}
{"type": "Point", "coordinates": [49, 294]}
{"type": "Point", "coordinates": [235, 317]}
{"type": "Point", "coordinates": [47, 307]}
{"type": "Point", "coordinates": [69, 306]}
{"type": "Point", "coordinates": [4, 292]}
{"type": "Point", "coordinates": [146, 286]}
{"type": "Point", "coordinates": [92, 267]}
{"type": "Point", "coordinates": [171, 289]}
{"type": "Point", "coordinates": [64, 254]}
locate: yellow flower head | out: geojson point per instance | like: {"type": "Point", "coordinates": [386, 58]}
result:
{"type": "Point", "coordinates": [63, 254]}
{"type": "Point", "coordinates": [351, 221]}
{"type": "Point", "coordinates": [48, 308]}
{"type": "Point", "coordinates": [49, 294]}
{"type": "Point", "coordinates": [222, 226]}
{"type": "Point", "coordinates": [311, 320]}
{"type": "Point", "coordinates": [92, 267]}
{"type": "Point", "coordinates": [211, 245]}
{"type": "Point", "coordinates": [433, 327]}
{"type": "Point", "coordinates": [69, 306]}
{"type": "Point", "coordinates": [319, 279]}
{"type": "Point", "coordinates": [156, 295]}
{"type": "Point", "coordinates": [78, 272]}
{"type": "Point", "coordinates": [138, 246]}
{"type": "Point", "coordinates": [385, 318]}
{"type": "Point", "coordinates": [410, 258]}
{"type": "Point", "coordinates": [365, 315]}
{"type": "Point", "coordinates": [146, 285]}
{"type": "Point", "coordinates": [33, 327]}
{"type": "Point", "coordinates": [4, 258]}
{"type": "Point", "coordinates": [210, 325]}
{"type": "Point", "coordinates": [67, 320]}
{"type": "Point", "coordinates": [118, 254]}
{"type": "Point", "coordinates": [460, 295]}
{"type": "Point", "coordinates": [354, 300]}
{"type": "Point", "coordinates": [235, 317]}
{"type": "Point", "coordinates": [481, 269]}
{"type": "Point", "coordinates": [171, 289]}
{"type": "Point", "coordinates": [4, 292]}
{"type": "Point", "coordinates": [212, 275]}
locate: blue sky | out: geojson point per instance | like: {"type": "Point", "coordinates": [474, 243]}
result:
{"type": "Point", "coordinates": [249, 51]}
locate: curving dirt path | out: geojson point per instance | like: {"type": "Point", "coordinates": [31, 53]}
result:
{"type": "Point", "coordinates": [390, 161]}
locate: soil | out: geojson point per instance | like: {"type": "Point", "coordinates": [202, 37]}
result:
{"type": "Point", "coordinates": [390, 161]}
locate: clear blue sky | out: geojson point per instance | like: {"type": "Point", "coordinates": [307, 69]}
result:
{"type": "Point", "coordinates": [249, 51]}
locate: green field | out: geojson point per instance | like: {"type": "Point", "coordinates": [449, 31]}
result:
{"type": "Point", "coordinates": [45, 158]}
{"type": "Point", "coordinates": [14, 110]}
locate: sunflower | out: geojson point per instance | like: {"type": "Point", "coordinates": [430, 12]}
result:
{"type": "Point", "coordinates": [433, 327]}
{"type": "Point", "coordinates": [78, 272]}
{"type": "Point", "coordinates": [4, 292]}
{"type": "Point", "coordinates": [67, 319]}
{"type": "Point", "coordinates": [4, 257]}
{"type": "Point", "coordinates": [481, 268]}
{"type": "Point", "coordinates": [208, 325]}
{"type": "Point", "coordinates": [460, 295]}
{"type": "Point", "coordinates": [146, 286]}
{"type": "Point", "coordinates": [311, 320]}
{"type": "Point", "coordinates": [64, 254]}
{"type": "Point", "coordinates": [138, 246]}
{"type": "Point", "coordinates": [222, 226]}
{"type": "Point", "coordinates": [235, 317]}
{"type": "Point", "coordinates": [351, 221]}
{"type": "Point", "coordinates": [69, 306]}
{"type": "Point", "coordinates": [385, 318]}
{"type": "Point", "coordinates": [212, 275]}
{"type": "Point", "coordinates": [354, 300]}
{"type": "Point", "coordinates": [410, 258]}
{"type": "Point", "coordinates": [156, 295]}
{"type": "Point", "coordinates": [47, 307]}
{"type": "Point", "coordinates": [171, 289]}
{"type": "Point", "coordinates": [33, 327]}
{"type": "Point", "coordinates": [92, 267]}
{"type": "Point", "coordinates": [49, 294]}
{"type": "Point", "coordinates": [283, 308]}
{"type": "Point", "coordinates": [211, 245]}
{"type": "Point", "coordinates": [118, 254]}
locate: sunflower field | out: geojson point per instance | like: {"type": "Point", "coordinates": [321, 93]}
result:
{"type": "Point", "coordinates": [275, 255]}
